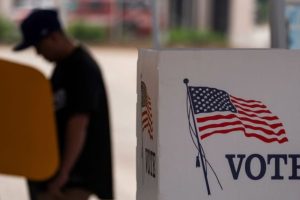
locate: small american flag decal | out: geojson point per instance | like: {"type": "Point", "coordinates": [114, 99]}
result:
{"type": "Point", "coordinates": [217, 112]}
{"type": "Point", "coordinates": [147, 122]}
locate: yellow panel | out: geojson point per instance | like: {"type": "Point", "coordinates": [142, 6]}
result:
{"type": "Point", "coordinates": [28, 143]}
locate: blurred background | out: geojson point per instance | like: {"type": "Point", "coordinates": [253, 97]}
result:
{"type": "Point", "coordinates": [196, 23]}
{"type": "Point", "coordinates": [113, 30]}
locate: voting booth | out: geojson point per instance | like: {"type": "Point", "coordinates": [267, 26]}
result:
{"type": "Point", "coordinates": [218, 124]}
{"type": "Point", "coordinates": [28, 140]}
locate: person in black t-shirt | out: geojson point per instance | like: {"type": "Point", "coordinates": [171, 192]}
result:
{"type": "Point", "coordinates": [81, 113]}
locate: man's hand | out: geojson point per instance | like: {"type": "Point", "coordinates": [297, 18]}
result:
{"type": "Point", "coordinates": [57, 183]}
{"type": "Point", "coordinates": [74, 141]}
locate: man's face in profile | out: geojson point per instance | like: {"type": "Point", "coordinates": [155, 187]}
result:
{"type": "Point", "coordinates": [47, 48]}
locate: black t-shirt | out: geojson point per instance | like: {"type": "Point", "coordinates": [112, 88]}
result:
{"type": "Point", "coordinates": [78, 88]}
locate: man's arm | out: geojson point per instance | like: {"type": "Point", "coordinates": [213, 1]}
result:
{"type": "Point", "coordinates": [74, 141]}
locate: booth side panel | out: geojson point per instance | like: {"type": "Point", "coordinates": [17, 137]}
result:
{"type": "Point", "coordinates": [147, 120]}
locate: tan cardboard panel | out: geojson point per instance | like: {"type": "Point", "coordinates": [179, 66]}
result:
{"type": "Point", "coordinates": [28, 144]}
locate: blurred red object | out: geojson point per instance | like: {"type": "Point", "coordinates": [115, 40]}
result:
{"type": "Point", "coordinates": [101, 12]}
{"type": "Point", "coordinates": [133, 15]}
{"type": "Point", "coordinates": [136, 16]}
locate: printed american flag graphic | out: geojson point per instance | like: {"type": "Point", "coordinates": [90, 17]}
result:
{"type": "Point", "coordinates": [217, 112]}
{"type": "Point", "coordinates": [147, 122]}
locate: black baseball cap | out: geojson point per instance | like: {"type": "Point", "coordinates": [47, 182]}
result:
{"type": "Point", "coordinates": [39, 24]}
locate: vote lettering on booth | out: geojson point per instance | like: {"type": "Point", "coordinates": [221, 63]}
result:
{"type": "Point", "coordinates": [218, 124]}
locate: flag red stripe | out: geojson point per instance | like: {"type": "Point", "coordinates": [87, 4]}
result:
{"type": "Point", "coordinates": [147, 112]}
{"type": "Point", "coordinates": [267, 140]}
{"type": "Point", "coordinates": [150, 134]}
{"type": "Point", "coordinates": [147, 125]}
{"type": "Point", "coordinates": [221, 132]}
{"type": "Point", "coordinates": [269, 118]}
{"type": "Point", "coordinates": [273, 126]}
{"type": "Point", "coordinates": [146, 116]}
{"type": "Point", "coordinates": [266, 131]}
{"type": "Point", "coordinates": [244, 100]}
{"type": "Point", "coordinates": [232, 116]}
{"type": "Point", "coordinates": [149, 106]}
{"type": "Point", "coordinates": [144, 113]}
{"type": "Point", "coordinates": [149, 109]}
{"type": "Point", "coordinates": [149, 101]}
{"type": "Point", "coordinates": [221, 125]}
{"type": "Point", "coordinates": [215, 117]}
{"type": "Point", "coordinates": [145, 121]}
{"type": "Point", "coordinates": [249, 105]}
{"type": "Point", "coordinates": [253, 111]}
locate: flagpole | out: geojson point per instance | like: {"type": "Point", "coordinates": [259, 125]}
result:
{"type": "Point", "coordinates": [186, 81]}
{"type": "Point", "coordinates": [155, 25]}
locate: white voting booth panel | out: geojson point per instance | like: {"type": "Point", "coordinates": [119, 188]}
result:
{"type": "Point", "coordinates": [218, 124]}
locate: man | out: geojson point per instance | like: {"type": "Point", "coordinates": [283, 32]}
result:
{"type": "Point", "coordinates": [81, 113]}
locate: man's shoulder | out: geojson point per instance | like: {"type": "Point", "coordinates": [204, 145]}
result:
{"type": "Point", "coordinates": [84, 59]}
